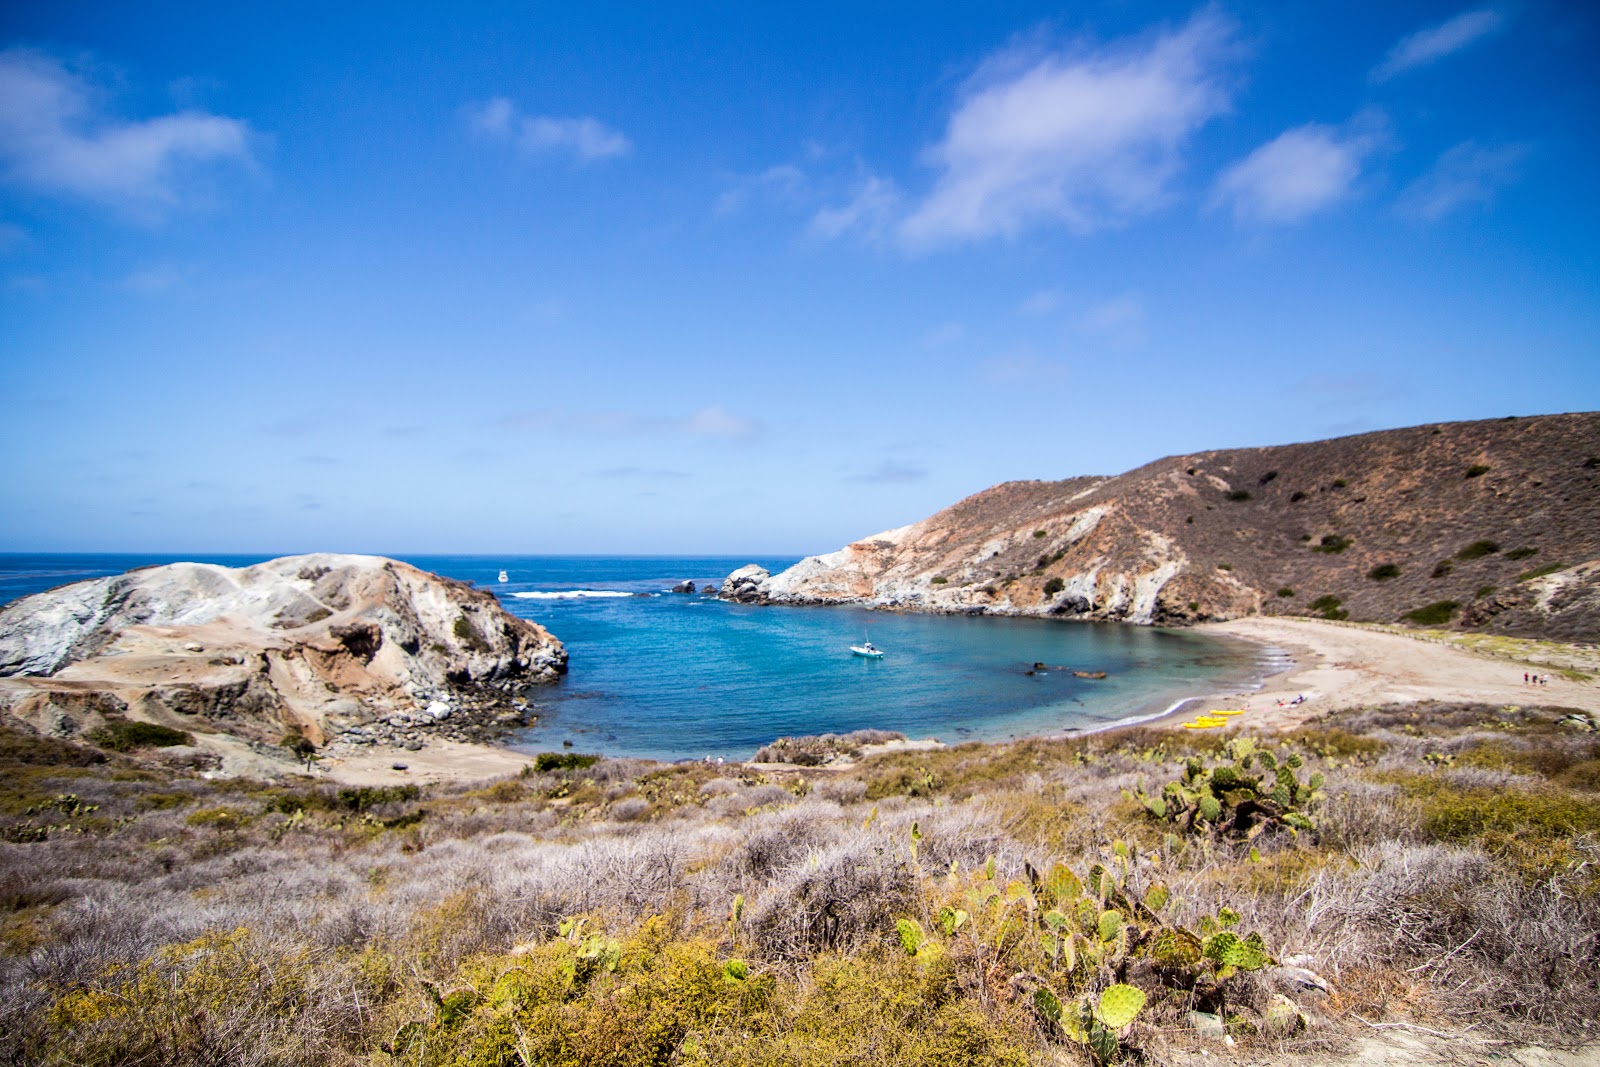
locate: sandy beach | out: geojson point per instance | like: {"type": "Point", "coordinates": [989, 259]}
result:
{"type": "Point", "coordinates": [1338, 667]}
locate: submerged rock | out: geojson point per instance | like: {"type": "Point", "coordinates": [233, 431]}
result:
{"type": "Point", "coordinates": [318, 646]}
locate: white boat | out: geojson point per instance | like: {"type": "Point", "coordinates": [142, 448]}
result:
{"type": "Point", "coordinates": [504, 577]}
{"type": "Point", "coordinates": [868, 649]}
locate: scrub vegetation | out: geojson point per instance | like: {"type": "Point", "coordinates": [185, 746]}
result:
{"type": "Point", "coordinates": [1133, 895]}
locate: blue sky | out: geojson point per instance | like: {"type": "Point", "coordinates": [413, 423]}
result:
{"type": "Point", "coordinates": [605, 278]}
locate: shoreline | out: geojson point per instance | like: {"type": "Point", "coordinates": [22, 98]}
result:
{"type": "Point", "coordinates": [1335, 667]}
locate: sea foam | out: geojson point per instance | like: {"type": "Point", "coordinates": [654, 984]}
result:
{"type": "Point", "coordinates": [571, 594]}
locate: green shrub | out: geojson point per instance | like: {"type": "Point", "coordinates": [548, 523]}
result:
{"type": "Point", "coordinates": [1286, 592]}
{"type": "Point", "coordinates": [125, 735]}
{"type": "Point", "coordinates": [1477, 550]}
{"type": "Point", "coordinates": [361, 798]}
{"type": "Point", "coordinates": [563, 761]}
{"type": "Point", "coordinates": [939, 579]}
{"type": "Point", "coordinates": [1477, 470]}
{"type": "Point", "coordinates": [1435, 614]}
{"type": "Point", "coordinates": [1239, 494]}
{"type": "Point", "coordinates": [1339, 483]}
{"type": "Point", "coordinates": [468, 634]}
{"type": "Point", "coordinates": [1267, 477]}
{"type": "Point", "coordinates": [1038, 533]}
{"type": "Point", "coordinates": [1332, 543]}
{"type": "Point", "coordinates": [1540, 572]}
{"type": "Point", "coordinates": [1483, 591]}
{"type": "Point", "coordinates": [1443, 568]}
{"type": "Point", "coordinates": [1054, 586]}
{"type": "Point", "coordinates": [1384, 571]}
{"type": "Point", "coordinates": [1522, 553]}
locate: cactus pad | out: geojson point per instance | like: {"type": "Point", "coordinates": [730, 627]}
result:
{"type": "Point", "coordinates": [1118, 1005]}
{"type": "Point", "coordinates": [911, 935]}
{"type": "Point", "coordinates": [1175, 950]}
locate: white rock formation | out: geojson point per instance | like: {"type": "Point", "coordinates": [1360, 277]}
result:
{"type": "Point", "coordinates": [322, 644]}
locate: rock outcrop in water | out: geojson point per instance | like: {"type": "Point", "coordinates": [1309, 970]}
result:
{"type": "Point", "coordinates": [1493, 524]}
{"type": "Point", "coordinates": [356, 647]}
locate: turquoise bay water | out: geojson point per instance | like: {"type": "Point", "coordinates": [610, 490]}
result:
{"type": "Point", "coordinates": [673, 676]}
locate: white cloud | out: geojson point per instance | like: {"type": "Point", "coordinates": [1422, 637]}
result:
{"type": "Point", "coordinates": [785, 183]}
{"type": "Point", "coordinates": [1298, 173]}
{"type": "Point", "coordinates": [1436, 42]}
{"type": "Point", "coordinates": [586, 139]}
{"type": "Point", "coordinates": [1469, 173]}
{"type": "Point", "coordinates": [1120, 320]}
{"type": "Point", "coordinates": [55, 139]}
{"type": "Point", "coordinates": [712, 422]}
{"type": "Point", "coordinates": [1022, 368]}
{"type": "Point", "coordinates": [1088, 139]}
{"type": "Point", "coordinates": [153, 279]}
{"type": "Point", "coordinates": [891, 472]}
{"type": "Point", "coordinates": [868, 210]}
{"type": "Point", "coordinates": [1042, 302]}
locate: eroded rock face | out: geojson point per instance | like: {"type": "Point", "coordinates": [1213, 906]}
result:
{"type": "Point", "coordinates": [328, 645]}
{"type": "Point", "coordinates": [1378, 525]}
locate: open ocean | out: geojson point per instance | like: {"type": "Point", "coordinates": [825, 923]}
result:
{"type": "Point", "coordinates": [673, 676]}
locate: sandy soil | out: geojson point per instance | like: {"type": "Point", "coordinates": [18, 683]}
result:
{"type": "Point", "coordinates": [1344, 666]}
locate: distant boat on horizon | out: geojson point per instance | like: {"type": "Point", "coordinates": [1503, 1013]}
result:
{"type": "Point", "coordinates": [504, 577]}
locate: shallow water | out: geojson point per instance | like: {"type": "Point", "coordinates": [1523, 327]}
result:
{"type": "Point", "coordinates": [673, 676]}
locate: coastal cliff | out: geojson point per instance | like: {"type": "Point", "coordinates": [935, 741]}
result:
{"type": "Point", "coordinates": [324, 647]}
{"type": "Point", "coordinates": [1492, 524]}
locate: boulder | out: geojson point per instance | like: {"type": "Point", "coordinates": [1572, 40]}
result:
{"type": "Point", "coordinates": [745, 584]}
{"type": "Point", "coordinates": [683, 587]}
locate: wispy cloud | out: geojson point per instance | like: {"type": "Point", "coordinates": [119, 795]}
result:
{"type": "Point", "coordinates": [1299, 172]}
{"type": "Point", "coordinates": [785, 184]}
{"type": "Point", "coordinates": [585, 138]}
{"type": "Point", "coordinates": [709, 422]}
{"type": "Point", "coordinates": [653, 474]}
{"type": "Point", "coordinates": [1435, 42]}
{"type": "Point", "coordinates": [947, 333]}
{"type": "Point", "coordinates": [890, 472]}
{"type": "Point", "coordinates": [1467, 174]}
{"type": "Point", "coordinates": [291, 427]}
{"type": "Point", "coordinates": [55, 138]}
{"type": "Point", "coordinates": [1022, 368]}
{"type": "Point", "coordinates": [1042, 302]}
{"type": "Point", "coordinates": [154, 279]}
{"type": "Point", "coordinates": [1089, 138]}
{"type": "Point", "coordinates": [1120, 320]}
{"type": "Point", "coordinates": [868, 211]}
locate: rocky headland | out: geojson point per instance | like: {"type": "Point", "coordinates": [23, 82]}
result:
{"type": "Point", "coordinates": [339, 650]}
{"type": "Point", "coordinates": [1493, 525]}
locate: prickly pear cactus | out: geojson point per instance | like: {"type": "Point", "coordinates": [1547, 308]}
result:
{"type": "Point", "coordinates": [1252, 793]}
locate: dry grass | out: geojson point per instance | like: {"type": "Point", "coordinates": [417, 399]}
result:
{"type": "Point", "coordinates": [1451, 881]}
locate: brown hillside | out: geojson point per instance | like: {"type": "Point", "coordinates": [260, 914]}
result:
{"type": "Point", "coordinates": [1385, 523]}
